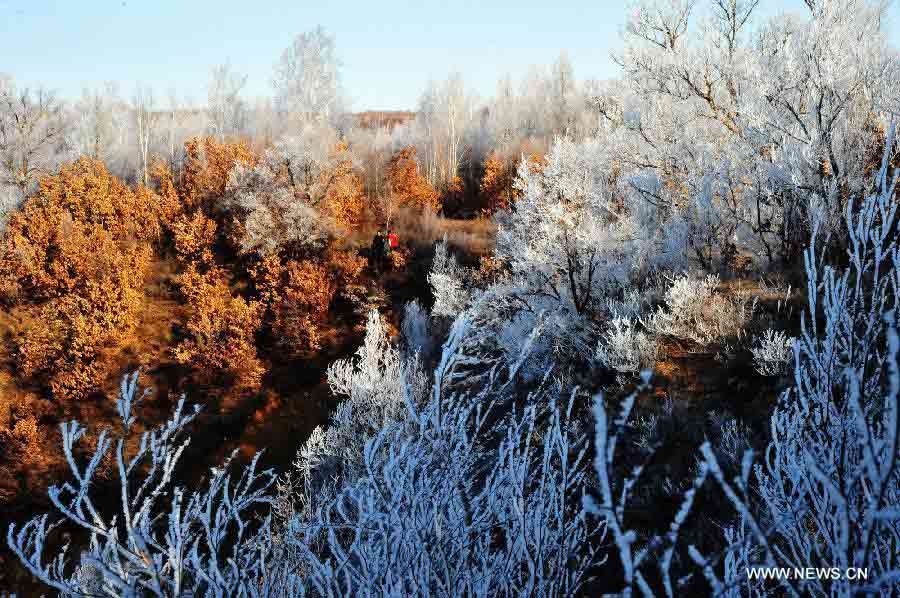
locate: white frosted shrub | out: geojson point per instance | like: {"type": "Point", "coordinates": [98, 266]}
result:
{"type": "Point", "coordinates": [618, 488]}
{"type": "Point", "coordinates": [696, 310]}
{"type": "Point", "coordinates": [376, 386]}
{"type": "Point", "coordinates": [828, 492]}
{"type": "Point", "coordinates": [625, 349]}
{"type": "Point", "coordinates": [629, 306]}
{"type": "Point", "coordinates": [272, 214]}
{"type": "Point", "coordinates": [456, 501]}
{"type": "Point", "coordinates": [447, 280]}
{"type": "Point", "coordinates": [416, 330]}
{"type": "Point", "coordinates": [772, 353]}
{"type": "Point", "coordinates": [164, 539]}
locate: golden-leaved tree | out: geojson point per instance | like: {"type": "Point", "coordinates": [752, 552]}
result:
{"type": "Point", "coordinates": [219, 334]}
{"type": "Point", "coordinates": [406, 185]}
{"type": "Point", "coordinates": [73, 263]}
{"type": "Point", "coordinates": [344, 199]}
{"type": "Point", "coordinates": [206, 168]}
{"type": "Point", "coordinates": [497, 189]}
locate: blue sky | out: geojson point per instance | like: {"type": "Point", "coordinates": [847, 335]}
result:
{"type": "Point", "coordinates": [390, 48]}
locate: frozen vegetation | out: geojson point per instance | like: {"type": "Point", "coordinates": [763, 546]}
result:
{"type": "Point", "coordinates": [510, 440]}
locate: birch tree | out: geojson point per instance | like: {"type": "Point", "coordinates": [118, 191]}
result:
{"type": "Point", "coordinates": [99, 122]}
{"type": "Point", "coordinates": [145, 119]}
{"type": "Point", "coordinates": [32, 138]}
{"type": "Point", "coordinates": [307, 80]}
{"type": "Point", "coordinates": [225, 109]}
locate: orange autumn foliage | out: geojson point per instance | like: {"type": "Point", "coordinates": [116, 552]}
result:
{"type": "Point", "coordinates": [303, 306]}
{"type": "Point", "coordinates": [65, 339]}
{"type": "Point", "coordinates": [73, 263]}
{"type": "Point", "coordinates": [497, 191]}
{"type": "Point", "coordinates": [168, 204]}
{"type": "Point", "coordinates": [344, 197]}
{"type": "Point", "coordinates": [22, 442]}
{"type": "Point", "coordinates": [537, 162]}
{"type": "Point", "coordinates": [206, 168]}
{"type": "Point", "coordinates": [407, 186]}
{"type": "Point", "coordinates": [47, 245]}
{"type": "Point", "coordinates": [22, 448]}
{"type": "Point", "coordinates": [345, 266]}
{"type": "Point", "coordinates": [219, 333]}
{"type": "Point", "coordinates": [194, 237]}
{"type": "Point", "coordinates": [299, 294]}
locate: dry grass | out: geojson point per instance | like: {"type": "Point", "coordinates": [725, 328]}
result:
{"type": "Point", "coordinates": [473, 237]}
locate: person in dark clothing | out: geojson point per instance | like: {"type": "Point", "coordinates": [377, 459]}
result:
{"type": "Point", "coordinates": [383, 244]}
{"type": "Point", "coordinates": [378, 252]}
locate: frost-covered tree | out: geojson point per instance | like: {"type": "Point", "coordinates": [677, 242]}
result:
{"type": "Point", "coordinates": [225, 110]}
{"type": "Point", "coordinates": [32, 139]}
{"type": "Point", "coordinates": [443, 117]}
{"type": "Point", "coordinates": [828, 492]}
{"type": "Point", "coordinates": [307, 80]}
{"type": "Point", "coordinates": [568, 239]}
{"type": "Point", "coordinates": [271, 217]}
{"type": "Point", "coordinates": [146, 118]}
{"type": "Point", "coordinates": [306, 156]}
{"type": "Point", "coordinates": [750, 127]}
{"type": "Point", "coordinates": [563, 94]}
{"type": "Point", "coordinates": [448, 284]}
{"type": "Point", "coordinates": [375, 387]}
{"type": "Point", "coordinates": [279, 202]}
{"type": "Point", "coordinates": [100, 125]}
{"type": "Point", "coordinates": [565, 247]}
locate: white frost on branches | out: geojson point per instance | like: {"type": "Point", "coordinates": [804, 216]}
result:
{"type": "Point", "coordinates": [165, 540]}
{"type": "Point", "coordinates": [772, 353]}
{"type": "Point", "coordinates": [448, 285]}
{"type": "Point", "coordinates": [626, 349]}
{"type": "Point", "coordinates": [696, 310]}
{"type": "Point", "coordinates": [830, 486]}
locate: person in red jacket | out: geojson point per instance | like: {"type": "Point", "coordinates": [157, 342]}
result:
{"type": "Point", "coordinates": [393, 242]}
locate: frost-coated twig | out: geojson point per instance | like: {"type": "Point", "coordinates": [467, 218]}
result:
{"type": "Point", "coordinates": [165, 540]}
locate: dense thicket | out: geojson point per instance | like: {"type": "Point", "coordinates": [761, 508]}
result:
{"type": "Point", "coordinates": [676, 364]}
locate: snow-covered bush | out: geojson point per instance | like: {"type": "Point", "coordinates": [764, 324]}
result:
{"type": "Point", "coordinates": [696, 310]}
{"type": "Point", "coordinates": [625, 349]}
{"type": "Point", "coordinates": [730, 438]}
{"type": "Point", "coordinates": [618, 484]}
{"type": "Point", "coordinates": [415, 330]}
{"type": "Point", "coordinates": [631, 305]}
{"type": "Point", "coordinates": [267, 214]}
{"type": "Point", "coordinates": [457, 496]}
{"type": "Point", "coordinates": [440, 511]}
{"type": "Point", "coordinates": [772, 353]}
{"type": "Point", "coordinates": [376, 386]}
{"type": "Point", "coordinates": [448, 283]}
